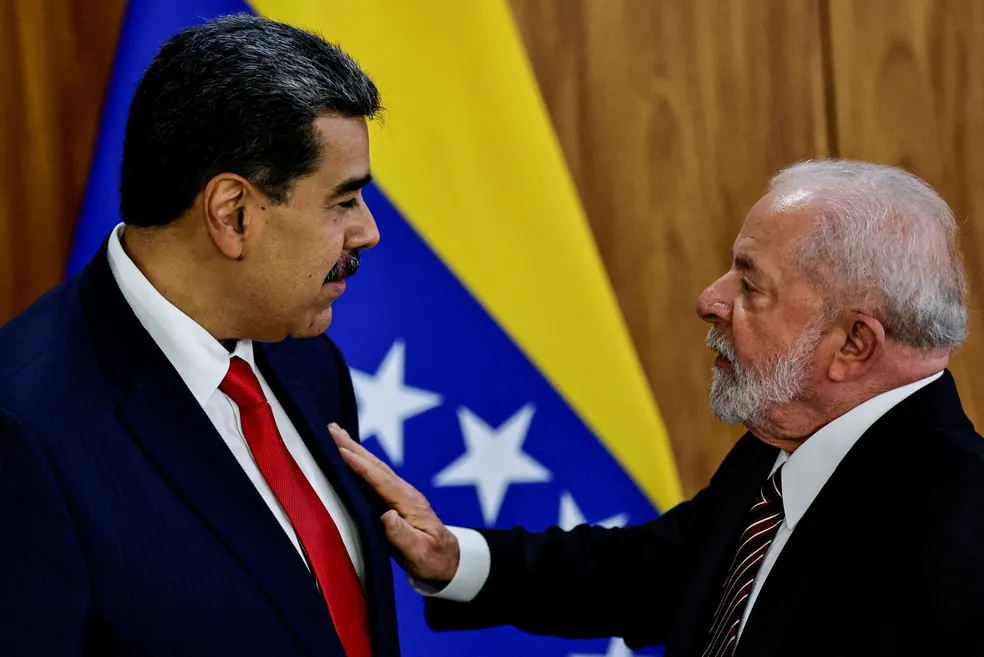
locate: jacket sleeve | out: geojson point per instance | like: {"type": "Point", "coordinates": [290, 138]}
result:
{"type": "Point", "coordinates": [583, 583]}
{"type": "Point", "coordinates": [44, 594]}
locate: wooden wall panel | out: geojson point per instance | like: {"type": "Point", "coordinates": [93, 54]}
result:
{"type": "Point", "coordinates": [55, 62]}
{"type": "Point", "coordinates": [908, 84]}
{"type": "Point", "coordinates": [672, 115]}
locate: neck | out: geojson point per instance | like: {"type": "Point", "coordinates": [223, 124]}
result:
{"type": "Point", "coordinates": [169, 261]}
{"type": "Point", "coordinates": [789, 426]}
{"type": "Point", "coordinates": [787, 429]}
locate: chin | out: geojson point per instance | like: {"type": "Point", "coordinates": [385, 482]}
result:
{"type": "Point", "coordinates": [318, 325]}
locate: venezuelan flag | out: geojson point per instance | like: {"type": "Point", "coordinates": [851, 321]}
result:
{"type": "Point", "coordinates": [491, 363]}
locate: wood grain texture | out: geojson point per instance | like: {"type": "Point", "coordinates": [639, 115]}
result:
{"type": "Point", "coordinates": [55, 62]}
{"type": "Point", "coordinates": [672, 116]}
{"type": "Point", "coordinates": [909, 91]}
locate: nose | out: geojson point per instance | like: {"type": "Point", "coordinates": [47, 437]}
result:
{"type": "Point", "coordinates": [363, 234]}
{"type": "Point", "coordinates": [712, 305]}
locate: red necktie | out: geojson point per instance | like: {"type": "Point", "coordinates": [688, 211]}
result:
{"type": "Point", "coordinates": [764, 519]}
{"type": "Point", "coordinates": [316, 530]}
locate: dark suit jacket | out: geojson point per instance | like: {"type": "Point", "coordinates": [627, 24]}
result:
{"type": "Point", "coordinates": [888, 560]}
{"type": "Point", "coordinates": [127, 527]}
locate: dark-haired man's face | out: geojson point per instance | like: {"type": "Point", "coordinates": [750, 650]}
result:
{"type": "Point", "coordinates": [299, 253]}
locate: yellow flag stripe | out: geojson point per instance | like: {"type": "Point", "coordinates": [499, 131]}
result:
{"type": "Point", "coordinates": [468, 155]}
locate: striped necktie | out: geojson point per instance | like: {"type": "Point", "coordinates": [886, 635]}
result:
{"type": "Point", "coordinates": [764, 518]}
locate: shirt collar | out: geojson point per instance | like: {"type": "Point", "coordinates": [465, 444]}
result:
{"type": "Point", "coordinates": [200, 360]}
{"type": "Point", "coordinates": [810, 466]}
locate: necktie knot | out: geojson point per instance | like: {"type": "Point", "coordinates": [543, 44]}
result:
{"type": "Point", "coordinates": [241, 384]}
{"type": "Point", "coordinates": [772, 490]}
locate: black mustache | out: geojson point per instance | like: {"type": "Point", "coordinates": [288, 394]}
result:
{"type": "Point", "coordinates": [346, 266]}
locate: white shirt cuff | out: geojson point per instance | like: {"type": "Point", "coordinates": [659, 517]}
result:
{"type": "Point", "coordinates": [474, 563]}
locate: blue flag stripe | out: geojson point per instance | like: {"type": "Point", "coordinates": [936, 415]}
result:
{"type": "Point", "coordinates": [444, 394]}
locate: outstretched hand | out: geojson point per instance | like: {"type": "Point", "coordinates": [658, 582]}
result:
{"type": "Point", "coordinates": [424, 546]}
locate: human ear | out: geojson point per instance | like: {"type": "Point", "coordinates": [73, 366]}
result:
{"type": "Point", "coordinates": [863, 337]}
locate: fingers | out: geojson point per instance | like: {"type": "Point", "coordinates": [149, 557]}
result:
{"type": "Point", "coordinates": [343, 440]}
{"type": "Point", "coordinates": [341, 436]}
{"type": "Point", "coordinates": [411, 526]}
{"type": "Point", "coordinates": [379, 479]}
{"type": "Point", "coordinates": [372, 465]}
{"type": "Point", "coordinates": [395, 491]}
{"type": "Point", "coordinates": [399, 532]}
{"type": "Point", "coordinates": [357, 464]}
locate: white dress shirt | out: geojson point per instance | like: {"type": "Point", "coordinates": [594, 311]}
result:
{"type": "Point", "coordinates": [806, 471]}
{"type": "Point", "coordinates": [202, 363]}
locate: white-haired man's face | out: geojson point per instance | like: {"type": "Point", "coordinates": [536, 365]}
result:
{"type": "Point", "coordinates": [765, 317]}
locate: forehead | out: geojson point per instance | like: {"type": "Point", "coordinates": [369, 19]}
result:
{"type": "Point", "coordinates": [774, 228]}
{"type": "Point", "coordinates": [344, 147]}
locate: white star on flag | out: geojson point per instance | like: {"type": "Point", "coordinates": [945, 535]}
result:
{"type": "Point", "coordinates": [494, 459]}
{"type": "Point", "coordinates": [571, 516]}
{"type": "Point", "coordinates": [385, 403]}
{"type": "Point", "coordinates": [616, 648]}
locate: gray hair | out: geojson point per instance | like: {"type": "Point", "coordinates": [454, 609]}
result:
{"type": "Point", "coordinates": [886, 240]}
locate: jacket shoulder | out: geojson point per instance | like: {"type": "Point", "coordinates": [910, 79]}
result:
{"type": "Point", "coordinates": [42, 340]}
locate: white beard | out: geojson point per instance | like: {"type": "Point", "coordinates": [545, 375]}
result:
{"type": "Point", "coordinates": [749, 396]}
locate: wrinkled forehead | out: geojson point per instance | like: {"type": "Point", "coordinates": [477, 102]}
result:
{"type": "Point", "coordinates": [774, 230]}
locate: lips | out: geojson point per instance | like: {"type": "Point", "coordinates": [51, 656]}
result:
{"type": "Point", "coordinates": [346, 266]}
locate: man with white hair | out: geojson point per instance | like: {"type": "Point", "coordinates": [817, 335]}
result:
{"type": "Point", "coordinates": [849, 520]}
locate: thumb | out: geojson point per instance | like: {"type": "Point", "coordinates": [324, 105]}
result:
{"type": "Point", "coordinates": [399, 532]}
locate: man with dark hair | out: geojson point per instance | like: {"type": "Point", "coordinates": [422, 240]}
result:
{"type": "Point", "coordinates": [168, 483]}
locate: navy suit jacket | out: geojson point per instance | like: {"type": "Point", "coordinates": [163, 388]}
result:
{"type": "Point", "coordinates": [127, 527]}
{"type": "Point", "coordinates": [887, 561]}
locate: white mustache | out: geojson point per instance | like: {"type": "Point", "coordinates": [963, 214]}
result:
{"type": "Point", "coordinates": [717, 342]}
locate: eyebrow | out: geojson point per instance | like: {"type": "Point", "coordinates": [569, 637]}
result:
{"type": "Point", "coordinates": [745, 263]}
{"type": "Point", "coordinates": [351, 185]}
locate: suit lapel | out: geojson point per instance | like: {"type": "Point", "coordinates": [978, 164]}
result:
{"type": "Point", "coordinates": [827, 536]}
{"type": "Point", "coordinates": [180, 440]}
{"type": "Point", "coordinates": [794, 587]}
{"type": "Point", "coordinates": [842, 531]}
{"type": "Point", "coordinates": [162, 416]}
{"type": "Point", "coordinates": [716, 551]}
{"type": "Point", "coordinates": [285, 376]}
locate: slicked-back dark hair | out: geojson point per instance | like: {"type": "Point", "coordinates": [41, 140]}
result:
{"type": "Point", "coordinates": [238, 94]}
